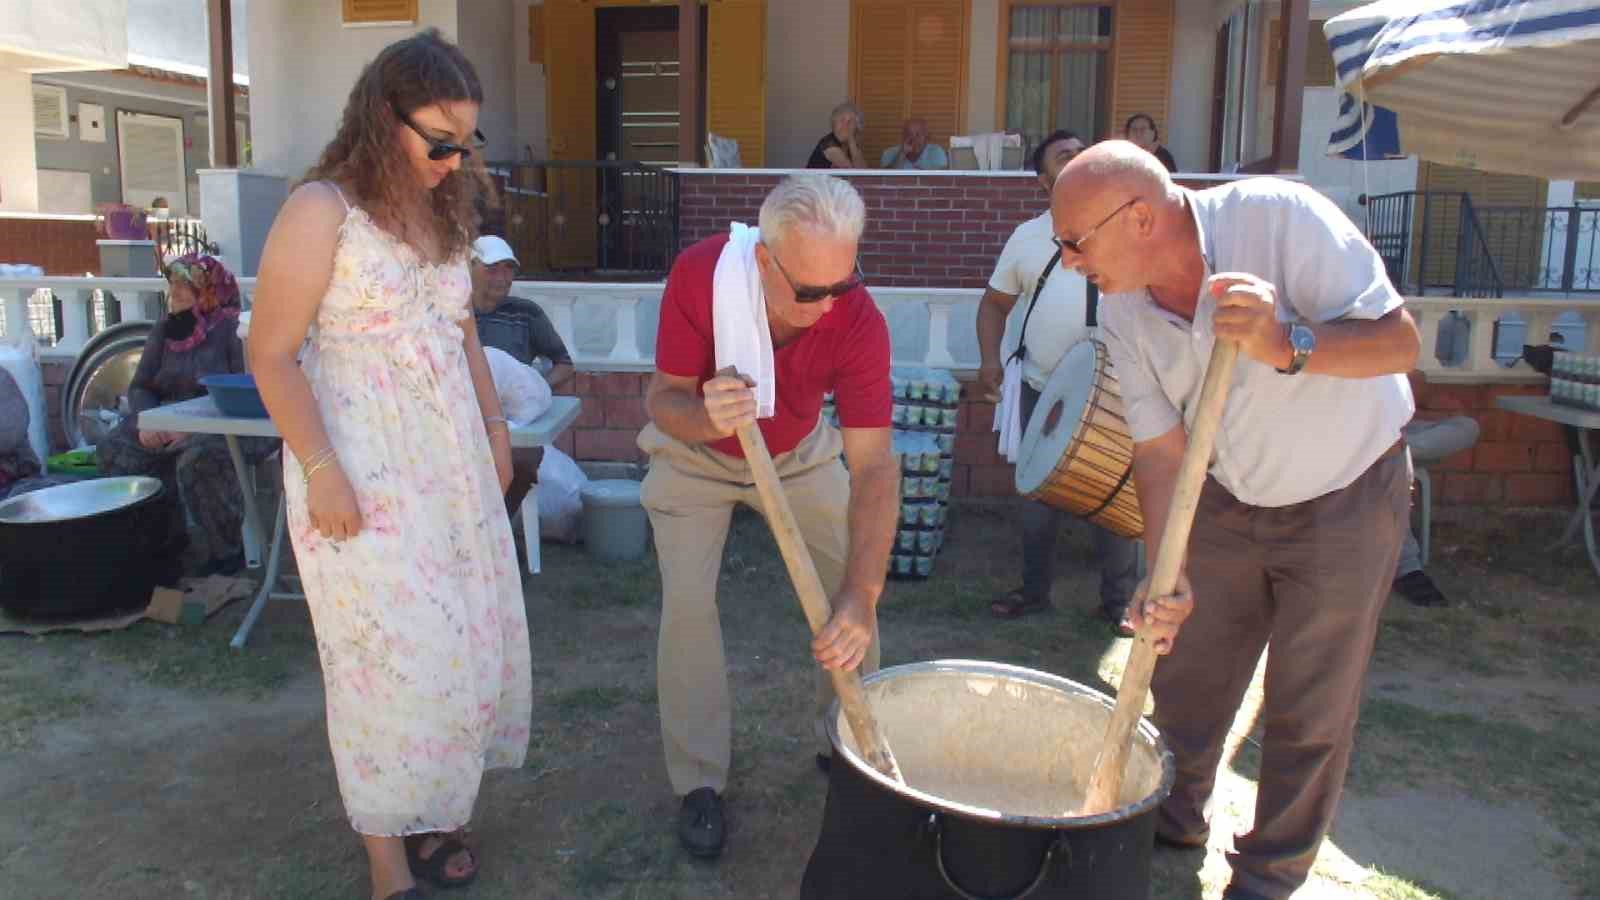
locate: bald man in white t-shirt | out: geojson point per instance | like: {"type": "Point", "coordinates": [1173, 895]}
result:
{"type": "Point", "coordinates": [1058, 321]}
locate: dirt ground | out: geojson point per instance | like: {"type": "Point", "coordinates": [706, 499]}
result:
{"type": "Point", "coordinates": [157, 763]}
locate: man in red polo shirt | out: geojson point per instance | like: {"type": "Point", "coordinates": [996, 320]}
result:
{"type": "Point", "coordinates": [803, 286]}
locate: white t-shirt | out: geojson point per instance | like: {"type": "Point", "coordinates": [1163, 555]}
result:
{"type": "Point", "coordinates": [1058, 317]}
{"type": "Point", "coordinates": [1284, 439]}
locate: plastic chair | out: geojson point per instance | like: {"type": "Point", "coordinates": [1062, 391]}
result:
{"type": "Point", "coordinates": [1429, 443]}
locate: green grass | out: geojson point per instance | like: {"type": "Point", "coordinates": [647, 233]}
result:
{"type": "Point", "coordinates": [199, 659]}
{"type": "Point", "coordinates": [1494, 761]}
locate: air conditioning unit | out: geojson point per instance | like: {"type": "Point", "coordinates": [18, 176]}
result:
{"type": "Point", "coordinates": [50, 110]}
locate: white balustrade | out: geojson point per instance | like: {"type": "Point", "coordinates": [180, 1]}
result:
{"type": "Point", "coordinates": [1538, 314]}
{"type": "Point", "coordinates": [600, 322]}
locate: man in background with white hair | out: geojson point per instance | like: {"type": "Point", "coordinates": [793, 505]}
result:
{"type": "Point", "coordinates": [786, 308]}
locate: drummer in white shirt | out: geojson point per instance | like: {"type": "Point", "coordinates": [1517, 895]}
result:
{"type": "Point", "coordinates": [1059, 319]}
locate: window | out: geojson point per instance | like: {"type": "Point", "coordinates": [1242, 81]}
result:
{"type": "Point", "coordinates": [49, 110]}
{"type": "Point", "coordinates": [151, 151]}
{"type": "Point", "coordinates": [380, 12]}
{"type": "Point", "coordinates": [1058, 71]}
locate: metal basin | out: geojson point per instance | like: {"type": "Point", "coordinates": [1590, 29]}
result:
{"type": "Point", "coordinates": [85, 549]}
{"type": "Point", "coordinates": [78, 500]}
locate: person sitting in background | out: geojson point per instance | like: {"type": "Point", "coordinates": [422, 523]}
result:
{"type": "Point", "coordinates": [841, 147]}
{"type": "Point", "coordinates": [520, 328]}
{"type": "Point", "coordinates": [1141, 129]}
{"type": "Point", "coordinates": [197, 337]}
{"type": "Point", "coordinates": [914, 151]}
{"type": "Point", "coordinates": [20, 471]}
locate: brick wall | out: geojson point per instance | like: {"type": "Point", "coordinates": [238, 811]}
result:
{"type": "Point", "coordinates": [59, 246]}
{"type": "Point", "coordinates": [1518, 460]}
{"type": "Point", "coordinates": [922, 230]}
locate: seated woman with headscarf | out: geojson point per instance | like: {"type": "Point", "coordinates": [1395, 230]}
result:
{"type": "Point", "coordinates": [198, 337]}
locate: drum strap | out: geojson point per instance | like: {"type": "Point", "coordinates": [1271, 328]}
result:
{"type": "Point", "coordinates": [1091, 310]}
{"type": "Point", "coordinates": [1022, 339]}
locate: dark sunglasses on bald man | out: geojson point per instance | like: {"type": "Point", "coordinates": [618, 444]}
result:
{"type": "Point", "coordinates": [807, 293]}
{"type": "Point", "coordinates": [1076, 244]}
{"type": "Point", "coordinates": [437, 149]}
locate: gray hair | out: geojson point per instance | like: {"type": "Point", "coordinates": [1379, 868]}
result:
{"type": "Point", "coordinates": [848, 107]}
{"type": "Point", "coordinates": [817, 202]}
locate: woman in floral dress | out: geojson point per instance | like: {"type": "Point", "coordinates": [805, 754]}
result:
{"type": "Point", "coordinates": [398, 459]}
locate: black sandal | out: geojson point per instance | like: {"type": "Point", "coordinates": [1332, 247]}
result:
{"type": "Point", "coordinates": [433, 868]}
{"type": "Point", "coordinates": [1016, 604]}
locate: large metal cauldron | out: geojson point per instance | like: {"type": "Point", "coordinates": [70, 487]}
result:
{"type": "Point", "coordinates": [994, 757]}
{"type": "Point", "coordinates": [84, 549]}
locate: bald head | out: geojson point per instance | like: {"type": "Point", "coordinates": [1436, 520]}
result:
{"type": "Point", "coordinates": [1118, 214]}
{"type": "Point", "coordinates": [1113, 167]}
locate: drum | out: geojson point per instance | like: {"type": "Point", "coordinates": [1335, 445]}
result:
{"type": "Point", "coordinates": [1076, 453]}
{"type": "Point", "coordinates": [996, 759]}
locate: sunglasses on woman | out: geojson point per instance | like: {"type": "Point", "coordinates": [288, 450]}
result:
{"type": "Point", "coordinates": [807, 293]}
{"type": "Point", "coordinates": [439, 150]}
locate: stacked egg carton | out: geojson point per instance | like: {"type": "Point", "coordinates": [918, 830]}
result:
{"type": "Point", "coordinates": [925, 407]}
{"type": "Point", "coordinates": [1575, 380]}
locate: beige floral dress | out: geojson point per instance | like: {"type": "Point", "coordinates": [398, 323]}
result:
{"type": "Point", "coordinates": [420, 621]}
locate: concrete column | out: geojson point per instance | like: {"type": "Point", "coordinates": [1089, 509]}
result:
{"type": "Point", "coordinates": [237, 207]}
{"type": "Point", "coordinates": [19, 173]}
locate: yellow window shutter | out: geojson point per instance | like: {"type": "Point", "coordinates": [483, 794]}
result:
{"type": "Point", "coordinates": [908, 58]}
{"type": "Point", "coordinates": [372, 12]}
{"type": "Point", "coordinates": [570, 203]}
{"type": "Point", "coordinates": [736, 75]}
{"type": "Point", "coordinates": [569, 77]}
{"type": "Point", "coordinates": [1142, 35]}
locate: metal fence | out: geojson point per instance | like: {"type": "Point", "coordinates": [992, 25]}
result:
{"type": "Point", "coordinates": [589, 219]}
{"type": "Point", "coordinates": [1443, 243]}
{"type": "Point", "coordinates": [175, 237]}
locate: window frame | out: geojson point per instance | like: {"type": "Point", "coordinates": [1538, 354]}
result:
{"type": "Point", "coordinates": [1003, 61]}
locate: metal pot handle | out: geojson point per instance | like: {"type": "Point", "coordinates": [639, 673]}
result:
{"type": "Point", "coordinates": [1056, 845]}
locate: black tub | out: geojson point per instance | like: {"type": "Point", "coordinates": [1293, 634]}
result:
{"type": "Point", "coordinates": [83, 549]}
{"type": "Point", "coordinates": [995, 757]}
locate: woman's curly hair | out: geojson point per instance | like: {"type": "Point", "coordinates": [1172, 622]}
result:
{"type": "Point", "coordinates": [367, 156]}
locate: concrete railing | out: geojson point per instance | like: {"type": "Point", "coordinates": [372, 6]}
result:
{"type": "Point", "coordinates": [1459, 339]}
{"type": "Point", "coordinates": [612, 326]}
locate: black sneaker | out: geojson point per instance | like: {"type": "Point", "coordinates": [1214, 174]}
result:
{"type": "Point", "coordinates": [1420, 589]}
{"type": "Point", "coordinates": [700, 827]}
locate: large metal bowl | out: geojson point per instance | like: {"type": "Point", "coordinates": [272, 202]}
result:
{"type": "Point", "coordinates": [78, 500]}
{"type": "Point", "coordinates": [85, 549]}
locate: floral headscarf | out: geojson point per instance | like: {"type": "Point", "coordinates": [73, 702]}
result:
{"type": "Point", "coordinates": [216, 294]}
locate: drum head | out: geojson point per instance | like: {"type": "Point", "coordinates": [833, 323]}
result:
{"type": "Point", "coordinates": [1057, 417]}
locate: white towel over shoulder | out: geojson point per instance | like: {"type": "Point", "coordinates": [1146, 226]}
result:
{"type": "Point", "coordinates": [739, 316]}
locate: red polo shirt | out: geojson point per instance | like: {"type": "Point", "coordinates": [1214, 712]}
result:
{"type": "Point", "coordinates": [847, 352]}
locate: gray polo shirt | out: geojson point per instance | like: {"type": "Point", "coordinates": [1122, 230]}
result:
{"type": "Point", "coordinates": [1284, 439]}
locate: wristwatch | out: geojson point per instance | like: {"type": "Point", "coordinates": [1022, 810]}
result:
{"type": "Point", "coordinates": [1302, 340]}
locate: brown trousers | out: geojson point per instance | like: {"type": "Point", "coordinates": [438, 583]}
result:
{"type": "Point", "coordinates": [1310, 580]}
{"type": "Point", "coordinates": [690, 493]}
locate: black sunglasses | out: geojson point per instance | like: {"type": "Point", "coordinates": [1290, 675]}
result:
{"type": "Point", "coordinates": [806, 293]}
{"type": "Point", "coordinates": [437, 149]}
{"type": "Point", "coordinates": [1076, 245]}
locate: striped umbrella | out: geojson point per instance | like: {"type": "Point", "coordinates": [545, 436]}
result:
{"type": "Point", "coordinates": [1502, 85]}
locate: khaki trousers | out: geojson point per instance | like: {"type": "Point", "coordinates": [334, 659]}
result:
{"type": "Point", "coordinates": [690, 493]}
{"type": "Point", "coordinates": [1310, 580]}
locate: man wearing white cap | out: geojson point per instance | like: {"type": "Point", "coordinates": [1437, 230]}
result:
{"type": "Point", "coordinates": [519, 327]}
{"type": "Point", "coordinates": [513, 324]}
